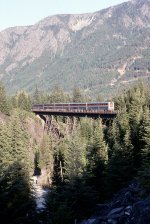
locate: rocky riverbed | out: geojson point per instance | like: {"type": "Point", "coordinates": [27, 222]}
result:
{"type": "Point", "coordinates": [126, 207]}
{"type": "Point", "coordinates": [39, 194]}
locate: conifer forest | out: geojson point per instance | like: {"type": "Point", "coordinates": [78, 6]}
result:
{"type": "Point", "coordinates": [81, 162]}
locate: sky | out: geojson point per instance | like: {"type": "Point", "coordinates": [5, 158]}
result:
{"type": "Point", "coordinates": [29, 12]}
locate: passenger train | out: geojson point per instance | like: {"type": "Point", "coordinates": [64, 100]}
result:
{"type": "Point", "coordinates": [107, 106]}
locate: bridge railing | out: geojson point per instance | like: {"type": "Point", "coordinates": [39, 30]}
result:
{"type": "Point", "coordinates": [73, 110]}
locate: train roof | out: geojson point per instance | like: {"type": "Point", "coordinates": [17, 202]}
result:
{"type": "Point", "coordinates": [76, 103]}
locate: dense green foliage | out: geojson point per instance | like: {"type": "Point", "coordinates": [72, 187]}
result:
{"type": "Point", "coordinates": [4, 105]}
{"type": "Point", "coordinates": [15, 188]}
{"type": "Point", "coordinates": [85, 161]}
{"type": "Point", "coordinates": [102, 160]}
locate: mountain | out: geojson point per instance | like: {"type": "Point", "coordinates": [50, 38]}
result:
{"type": "Point", "coordinates": [101, 52]}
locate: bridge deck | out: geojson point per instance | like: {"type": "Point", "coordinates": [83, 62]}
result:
{"type": "Point", "coordinates": [104, 114]}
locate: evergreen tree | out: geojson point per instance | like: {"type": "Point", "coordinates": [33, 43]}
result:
{"type": "Point", "coordinates": [121, 161]}
{"type": "Point", "coordinates": [77, 95]}
{"type": "Point", "coordinates": [135, 115]}
{"type": "Point", "coordinates": [13, 102]}
{"type": "Point", "coordinates": [57, 95]}
{"type": "Point", "coordinates": [144, 172]}
{"type": "Point", "coordinates": [15, 194]}
{"type": "Point", "coordinates": [19, 139]}
{"type": "Point", "coordinates": [36, 96]}
{"type": "Point", "coordinates": [87, 129]}
{"type": "Point", "coordinates": [23, 101]}
{"type": "Point", "coordinates": [5, 149]}
{"type": "Point", "coordinates": [98, 151]}
{"type": "Point", "coordinates": [75, 160]}
{"type": "Point", "coordinates": [97, 158]}
{"type": "Point", "coordinates": [46, 160]}
{"type": "Point", "coordinates": [99, 98]}
{"type": "Point", "coordinates": [4, 107]}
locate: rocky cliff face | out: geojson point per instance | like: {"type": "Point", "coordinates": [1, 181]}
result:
{"type": "Point", "coordinates": [95, 51]}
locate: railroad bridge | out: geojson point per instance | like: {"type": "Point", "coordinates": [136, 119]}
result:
{"type": "Point", "coordinates": [93, 110]}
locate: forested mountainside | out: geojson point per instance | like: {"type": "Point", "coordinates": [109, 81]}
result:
{"type": "Point", "coordinates": [82, 162]}
{"type": "Point", "coordinates": [104, 51]}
